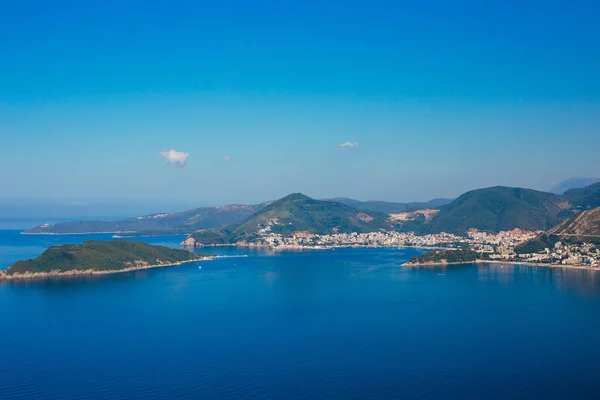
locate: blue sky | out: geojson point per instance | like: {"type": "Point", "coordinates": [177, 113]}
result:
{"type": "Point", "coordinates": [441, 97]}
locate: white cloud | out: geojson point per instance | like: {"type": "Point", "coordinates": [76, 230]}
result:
{"type": "Point", "coordinates": [226, 158]}
{"type": "Point", "coordinates": [348, 145]}
{"type": "Point", "coordinates": [175, 157]}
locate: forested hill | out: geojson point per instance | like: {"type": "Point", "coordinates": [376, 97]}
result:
{"type": "Point", "coordinates": [97, 255]}
{"type": "Point", "coordinates": [501, 208]}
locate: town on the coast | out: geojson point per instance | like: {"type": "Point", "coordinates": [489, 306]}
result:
{"type": "Point", "coordinates": [502, 246]}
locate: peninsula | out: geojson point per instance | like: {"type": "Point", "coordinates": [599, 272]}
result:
{"type": "Point", "coordinates": [95, 257]}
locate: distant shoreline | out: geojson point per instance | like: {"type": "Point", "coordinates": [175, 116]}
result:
{"type": "Point", "coordinates": [90, 272]}
{"type": "Point", "coordinates": [408, 264]}
{"type": "Point", "coordinates": [76, 233]}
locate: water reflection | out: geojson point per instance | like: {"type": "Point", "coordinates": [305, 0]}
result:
{"type": "Point", "coordinates": [583, 282]}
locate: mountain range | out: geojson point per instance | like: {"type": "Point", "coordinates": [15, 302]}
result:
{"type": "Point", "coordinates": [186, 222]}
{"type": "Point", "coordinates": [490, 209]}
{"type": "Point", "coordinates": [181, 223]}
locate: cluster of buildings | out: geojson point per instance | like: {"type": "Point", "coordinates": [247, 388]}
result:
{"type": "Point", "coordinates": [585, 254]}
{"type": "Point", "coordinates": [303, 240]}
{"type": "Point", "coordinates": [493, 246]}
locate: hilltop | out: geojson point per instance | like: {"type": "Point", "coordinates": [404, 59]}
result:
{"type": "Point", "coordinates": [500, 208]}
{"type": "Point", "coordinates": [181, 223]}
{"type": "Point", "coordinates": [297, 214]}
{"type": "Point", "coordinates": [96, 256]}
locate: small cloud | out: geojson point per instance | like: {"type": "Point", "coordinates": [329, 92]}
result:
{"type": "Point", "coordinates": [175, 157]}
{"type": "Point", "coordinates": [226, 158]}
{"type": "Point", "coordinates": [348, 145]}
{"type": "Point", "coordinates": [77, 203]}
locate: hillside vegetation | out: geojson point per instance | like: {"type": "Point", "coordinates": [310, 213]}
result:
{"type": "Point", "coordinates": [445, 257]}
{"type": "Point", "coordinates": [500, 208]}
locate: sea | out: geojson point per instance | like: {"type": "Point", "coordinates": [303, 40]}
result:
{"type": "Point", "coordinates": [325, 324]}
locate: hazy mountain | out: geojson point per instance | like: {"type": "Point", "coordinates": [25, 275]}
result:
{"type": "Point", "coordinates": [156, 224]}
{"type": "Point", "coordinates": [573, 183]}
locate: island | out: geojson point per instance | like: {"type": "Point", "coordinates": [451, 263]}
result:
{"type": "Point", "coordinates": [445, 257]}
{"type": "Point", "coordinates": [95, 257]}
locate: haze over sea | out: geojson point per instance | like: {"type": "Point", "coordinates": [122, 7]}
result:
{"type": "Point", "coordinates": [336, 324]}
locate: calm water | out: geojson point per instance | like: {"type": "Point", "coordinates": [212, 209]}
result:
{"type": "Point", "coordinates": [341, 324]}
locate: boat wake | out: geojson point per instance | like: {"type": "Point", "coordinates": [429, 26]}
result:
{"type": "Point", "coordinates": [237, 256]}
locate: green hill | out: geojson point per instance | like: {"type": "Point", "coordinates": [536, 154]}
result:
{"type": "Point", "coordinates": [298, 213]}
{"type": "Point", "coordinates": [450, 256]}
{"type": "Point", "coordinates": [500, 208]}
{"type": "Point", "coordinates": [97, 255]}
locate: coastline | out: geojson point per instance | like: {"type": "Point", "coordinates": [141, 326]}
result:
{"type": "Point", "coordinates": [530, 264]}
{"type": "Point", "coordinates": [291, 247]}
{"type": "Point", "coordinates": [74, 273]}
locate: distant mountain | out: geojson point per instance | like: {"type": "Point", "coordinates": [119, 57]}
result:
{"type": "Point", "coordinates": [584, 198]}
{"type": "Point", "coordinates": [181, 223]}
{"type": "Point", "coordinates": [583, 224]}
{"type": "Point", "coordinates": [391, 207]}
{"type": "Point", "coordinates": [573, 183]}
{"type": "Point", "coordinates": [500, 208]}
{"type": "Point", "coordinates": [97, 255]}
{"type": "Point", "coordinates": [297, 213]}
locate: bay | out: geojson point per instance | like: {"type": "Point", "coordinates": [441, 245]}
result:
{"type": "Point", "coordinates": [335, 324]}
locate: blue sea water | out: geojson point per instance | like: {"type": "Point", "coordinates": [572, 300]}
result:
{"type": "Point", "coordinates": [336, 324]}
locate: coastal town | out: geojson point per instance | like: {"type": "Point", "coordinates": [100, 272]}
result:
{"type": "Point", "coordinates": [502, 246]}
